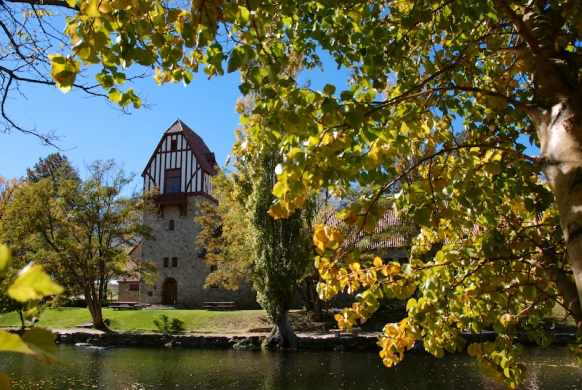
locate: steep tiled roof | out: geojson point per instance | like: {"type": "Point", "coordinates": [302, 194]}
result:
{"type": "Point", "coordinates": [388, 220]}
{"type": "Point", "coordinates": [197, 145]}
{"type": "Point", "coordinates": [203, 155]}
{"type": "Point", "coordinates": [131, 267]}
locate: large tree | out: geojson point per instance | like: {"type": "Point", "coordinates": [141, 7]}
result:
{"type": "Point", "coordinates": [54, 166]}
{"type": "Point", "coordinates": [81, 232]}
{"type": "Point", "coordinates": [224, 237]}
{"type": "Point", "coordinates": [420, 71]}
{"type": "Point", "coordinates": [245, 242]}
{"type": "Point", "coordinates": [282, 247]}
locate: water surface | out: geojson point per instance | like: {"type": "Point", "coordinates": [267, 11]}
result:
{"type": "Point", "coordinates": [181, 368]}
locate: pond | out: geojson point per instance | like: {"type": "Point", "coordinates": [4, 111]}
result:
{"type": "Point", "coordinates": [182, 368]}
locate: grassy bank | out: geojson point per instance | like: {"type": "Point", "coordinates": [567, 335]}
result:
{"type": "Point", "coordinates": [224, 322]}
{"type": "Point", "coordinates": [199, 321]}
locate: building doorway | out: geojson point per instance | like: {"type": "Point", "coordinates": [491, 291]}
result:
{"type": "Point", "coordinates": [170, 292]}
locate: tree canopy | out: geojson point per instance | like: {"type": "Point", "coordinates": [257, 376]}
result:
{"type": "Point", "coordinates": [224, 236]}
{"type": "Point", "coordinates": [80, 231]}
{"type": "Point", "coordinates": [504, 72]}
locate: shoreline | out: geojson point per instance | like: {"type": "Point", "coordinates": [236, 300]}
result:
{"type": "Point", "coordinates": [365, 341]}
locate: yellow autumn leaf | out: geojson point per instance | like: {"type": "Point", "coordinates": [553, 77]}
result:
{"type": "Point", "coordinates": [42, 342]}
{"type": "Point", "coordinates": [5, 258]}
{"type": "Point", "coordinates": [32, 283]}
{"type": "Point", "coordinates": [13, 343]}
{"type": "Point", "coordinates": [377, 262]}
{"type": "Point", "coordinates": [355, 267]}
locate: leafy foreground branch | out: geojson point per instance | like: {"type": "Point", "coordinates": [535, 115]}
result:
{"type": "Point", "coordinates": [30, 285]}
{"type": "Point", "coordinates": [424, 76]}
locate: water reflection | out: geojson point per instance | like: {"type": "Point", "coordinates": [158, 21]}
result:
{"type": "Point", "coordinates": [176, 368]}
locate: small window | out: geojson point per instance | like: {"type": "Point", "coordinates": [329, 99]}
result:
{"type": "Point", "coordinates": [134, 287]}
{"type": "Point", "coordinates": [171, 227]}
{"type": "Point", "coordinates": [150, 293]}
{"type": "Point", "coordinates": [402, 260]}
{"type": "Point", "coordinates": [174, 261]}
{"type": "Point", "coordinates": [166, 262]}
{"type": "Point", "coordinates": [174, 144]}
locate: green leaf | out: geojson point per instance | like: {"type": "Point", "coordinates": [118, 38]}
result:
{"type": "Point", "coordinates": [243, 16]}
{"type": "Point", "coordinates": [347, 95]}
{"type": "Point", "coordinates": [114, 95]}
{"type": "Point", "coordinates": [354, 118]}
{"type": "Point", "coordinates": [42, 342]}
{"type": "Point", "coordinates": [32, 283]}
{"type": "Point", "coordinates": [279, 189]}
{"type": "Point", "coordinates": [5, 258]}
{"type": "Point", "coordinates": [187, 77]}
{"type": "Point", "coordinates": [234, 62]}
{"type": "Point", "coordinates": [410, 304]}
{"type": "Point", "coordinates": [422, 216]}
{"type": "Point", "coordinates": [329, 89]}
{"type": "Point", "coordinates": [13, 343]}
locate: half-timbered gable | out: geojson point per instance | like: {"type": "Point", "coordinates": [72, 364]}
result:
{"type": "Point", "coordinates": [180, 166]}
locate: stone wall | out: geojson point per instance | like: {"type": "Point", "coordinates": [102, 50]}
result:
{"type": "Point", "coordinates": [188, 270]}
{"type": "Point", "coordinates": [125, 294]}
{"type": "Point", "coordinates": [328, 342]}
{"type": "Point", "coordinates": [315, 342]}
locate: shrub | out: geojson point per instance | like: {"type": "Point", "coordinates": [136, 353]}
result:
{"type": "Point", "coordinates": [177, 325]}
{"type": "Point", "coordinates": [165, 325]}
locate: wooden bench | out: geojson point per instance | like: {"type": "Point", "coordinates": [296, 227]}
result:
{"type": "Point", "coordinates": [125, 305]}
{"type": "Point", "coordinates": [219, 305]}
{"type": "Point", "coordinates": [337, 332]}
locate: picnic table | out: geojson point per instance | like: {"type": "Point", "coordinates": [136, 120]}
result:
{"type": "Point", "coordinates": [337, 332]}
{"type": "Point", "coordinates": [125, 305]}
{"type": "Point", "coordinates": [219, 305]}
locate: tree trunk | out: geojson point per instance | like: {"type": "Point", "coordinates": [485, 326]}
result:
{"type": "Point", "coordinates": [21, 315]}
{"type": "Point", "coordinates": [315, 302]}
{"type": "Point", "coordinates": [94, 306]}
{"type": "Point", "coordinates": [560, 134]}
{"type": "Point", "coordinates": [282, 336]}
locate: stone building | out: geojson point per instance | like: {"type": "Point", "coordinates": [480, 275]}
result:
{"type": "Point", "coordinates": [128, 286]}
{"type": "Point", "coordinates": [180, 168]}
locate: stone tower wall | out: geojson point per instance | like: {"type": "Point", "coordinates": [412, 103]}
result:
{"type": "Point", "coordinates": [190, 271]}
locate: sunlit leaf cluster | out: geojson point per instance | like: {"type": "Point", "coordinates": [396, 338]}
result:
{"type": "Point", "coordinates": [30, 285]}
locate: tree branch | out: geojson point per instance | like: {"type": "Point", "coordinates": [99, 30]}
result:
{"type": "Point", "coordinates": [523, 31]}
{"type": "Point", "coordinates": [56, 3]}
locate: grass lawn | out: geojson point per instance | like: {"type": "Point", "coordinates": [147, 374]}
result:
{"type": "Point", "coordinates": [202, 321]}
{"type": "Point", "coordinates": [199, 321]}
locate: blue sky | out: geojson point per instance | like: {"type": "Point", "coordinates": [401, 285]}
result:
{"type": "Point", "coordinates": [92, 130]}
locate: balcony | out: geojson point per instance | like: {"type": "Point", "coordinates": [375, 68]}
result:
{"type": "Point", "coordinates": [175, 198]}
